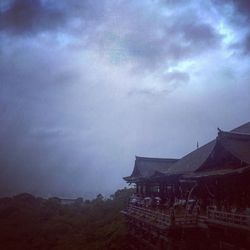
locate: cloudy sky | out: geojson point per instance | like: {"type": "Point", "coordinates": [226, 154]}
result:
{"type": "Point", "coordinates": [87, 85]}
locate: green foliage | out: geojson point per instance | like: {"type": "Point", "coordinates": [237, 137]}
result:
{"type": "Point", "coordinates": [27, 222]}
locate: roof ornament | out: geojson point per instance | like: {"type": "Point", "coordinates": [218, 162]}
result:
{"type": "Point", "coordinates": [219, 131]}
{"type": "Point", "coordinates": [197, 145]}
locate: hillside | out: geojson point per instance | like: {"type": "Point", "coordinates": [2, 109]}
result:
{"type": "Point", "coordinates": [28, 222]}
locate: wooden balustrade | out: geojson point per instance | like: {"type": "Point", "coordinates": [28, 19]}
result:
{"type": "Point", "coordinates": [165, 220]}
{"type": "Point", "coordinates": [228, 218]}
{"type": "Point", "coordinates": [159, 218]}
{"type": "Point", "coordinates": [149, 215]}
{"type": "Point", "coordinates": [186, 220]}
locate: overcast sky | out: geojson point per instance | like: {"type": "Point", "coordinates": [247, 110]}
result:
{"type": "Point", "coordinates": [87, 85]}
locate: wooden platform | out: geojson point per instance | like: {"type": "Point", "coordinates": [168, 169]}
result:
{"type": "Point", "coordinates": [164, 221]}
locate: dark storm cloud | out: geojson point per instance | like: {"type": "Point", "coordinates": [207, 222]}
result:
{"type": "Point", "coordinates": [76, 76]}
{"type": "Point", "coordinates": [243, 46]}
{"type": "Point", "coordinates": [182, 36]}
{"type": "Point", "coordinates": [28, 16]}
{"type": "Point", "coordinates": [247, 44]}
{"type": "Point", "coordinates": [34, 16]}
{"type": "Point", "coordinates": [199, 34]}
{"type": "Point", "coordinates": [239, 15]}
{"type": "Point", "coordinates": [142, 43]}
{"type": "Point", "coordinates": [241, 6]}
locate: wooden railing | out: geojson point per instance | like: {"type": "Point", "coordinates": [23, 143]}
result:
{"type": "Point", "coordinates": [154, 217]}
{"type": "Point", "coordinates": [186, 220]}
{"type": "Point", "coordinates": [164, 220]}
{"type": "Point", "coordinates": [228, 218]}
{"type": "Point", "coordinates": [159, 218]}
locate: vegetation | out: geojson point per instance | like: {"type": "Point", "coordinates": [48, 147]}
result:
{"type": "Point", "coordinates": [27, 222]}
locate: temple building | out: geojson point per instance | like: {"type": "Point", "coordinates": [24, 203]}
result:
{"type": "Point", "coordinates": [200, 201]}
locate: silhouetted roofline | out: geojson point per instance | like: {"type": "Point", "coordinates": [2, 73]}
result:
{"type": "Point", "coordinates": [234, 135]}
{"type": "Point", "coordinates": [194, 160]}
{"type": "Point", "coordinates": [216, 173]}
{"type": "Point", "coordinates": [146, 167]}
{"type": "Point", "coordinates": [155, 159]}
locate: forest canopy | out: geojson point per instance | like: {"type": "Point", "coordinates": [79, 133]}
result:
{"type": "Point", "coordinates": [28, 222]}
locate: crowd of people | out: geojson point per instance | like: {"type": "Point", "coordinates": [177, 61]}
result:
{"type": "Point", "coordinates": [167, 205]}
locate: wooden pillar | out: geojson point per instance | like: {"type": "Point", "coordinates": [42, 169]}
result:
{"type": "Point", "coordinates": [144, 189]}
{"type": "Point", "coordinates": [137, 188]}
{"type": "Point", "coordinates": [141, 188]}
{"type": "Point", "coordinates": [147, 189]}
{"type": "Point", "coordinates": [162, 190]}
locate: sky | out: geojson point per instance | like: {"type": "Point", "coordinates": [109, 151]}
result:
{"type": "Point", "coordinates": [85, 85]}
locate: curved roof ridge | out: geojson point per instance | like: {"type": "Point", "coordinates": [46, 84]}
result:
{"type": "Point", "coordinates": [234, 135]}
{"type": "Point", "coordinates": [237, 144]}
{"type": "Point", "coordinates": [193, 160]}
{"type": "Point", "coordinates": [242, 128]}
{"type": "Point", "coordinates": [155, 158]}
{"type": "Point", "coordinates": [145, 167]}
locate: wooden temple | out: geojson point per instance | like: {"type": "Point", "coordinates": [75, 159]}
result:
{"type": "Point", "coordinates": [201, 201]}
